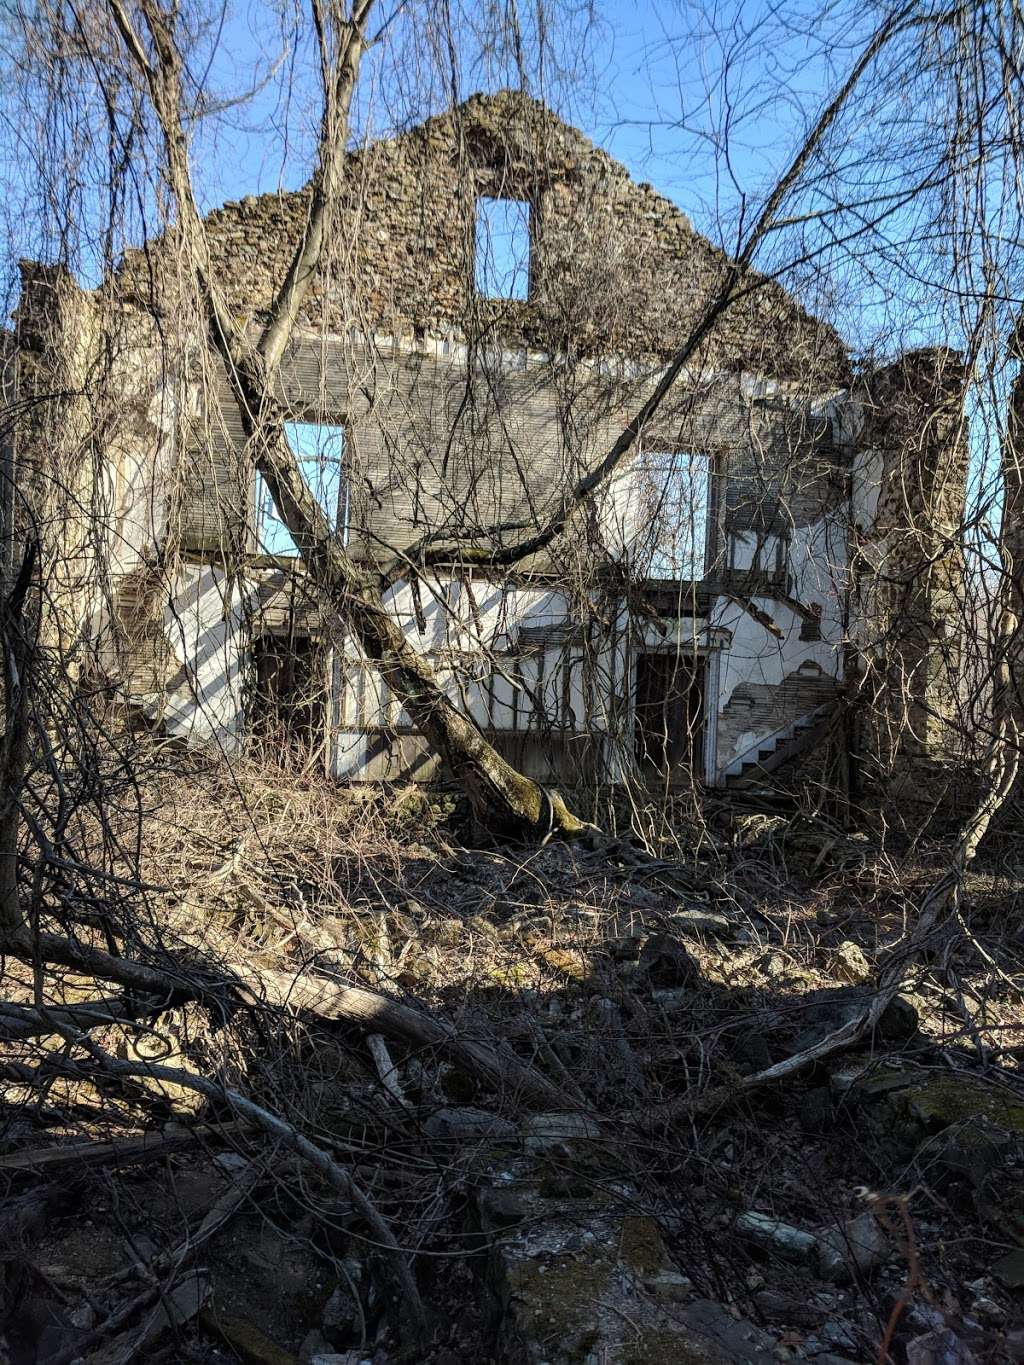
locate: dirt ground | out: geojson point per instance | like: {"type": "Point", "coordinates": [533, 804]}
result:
{"type": "Point", "coordinates": [870, 1205]}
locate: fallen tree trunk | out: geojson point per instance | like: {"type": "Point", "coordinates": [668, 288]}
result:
{"type": "Point", "coordinates": [127, 1151]}
{"type": "Point", "coordinates": [301, 993]}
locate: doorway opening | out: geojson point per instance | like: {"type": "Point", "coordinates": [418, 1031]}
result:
{"type": "Point", "coordinates": [288, 712]}
{"type": "Point", "coordinates": [669, 716]}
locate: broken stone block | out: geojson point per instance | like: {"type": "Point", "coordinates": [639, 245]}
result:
{"type": "Point", "coordinates": [314, 1344]}
{"type": "Point", "coordinates": [849, 963]}
{"type": "Point", "coordinates": [828, 1010]}
{"type": "Point", "coordinates": [857, 1246]}
{"type": "Point", "coordinates": [341, 1318]}
{"type": "Point", "coordinates": [545, 1132]}
{"type": "Point", "coordinates": [669, 1285]}
{"type": "Point", "coordinates": [988, 1311]}
{"type": "Point", "coordinates": [970, 1151]}
{"type": "Point", "coordinates": [942, 1347]}
{"type": "Point", "coordinates": [734, 1339]}
{"type": "Point", "coordinates": [466, 1122]}
{"type": "Point", "coordinates": [1009, 1269]}
{"type": "Point", "coordinates": [583, 1280]}
{"type": "Point", "coordinates": [702, 922]}
{"type": "Point", "coordinates": [640, 1244]}
{"type": "Point", "coordinates": [790, 1310]}
{"type": "Point", "coordinates": [770, 1234]}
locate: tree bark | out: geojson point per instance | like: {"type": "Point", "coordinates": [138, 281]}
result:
{"type": "Point", "coordinates": [15, 745]}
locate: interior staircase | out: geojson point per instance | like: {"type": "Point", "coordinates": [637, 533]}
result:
{"type": "Point", "coordinates": [778, 748]}
{"type": "Point", "coordinates": [808, 696]}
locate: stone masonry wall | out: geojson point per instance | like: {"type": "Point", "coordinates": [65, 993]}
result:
{"type": "Point", "coordinates": [616, 268]}
{"type": "Point", "coordinates": [909, 573]}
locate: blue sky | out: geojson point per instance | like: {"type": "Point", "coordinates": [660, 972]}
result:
{"type": "Point", "coordinates": [640, 93]}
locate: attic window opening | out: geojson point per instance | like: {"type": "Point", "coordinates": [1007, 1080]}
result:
{"type": "Point", "coordinates": [320, 450]}
{"type": "Point", "coordinates": [671, 499]}
{"type": "Point", "coordinates": [502, 248]}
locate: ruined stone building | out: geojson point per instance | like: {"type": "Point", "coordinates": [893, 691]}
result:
{"type": "Point", "coordinates": [499, 297]}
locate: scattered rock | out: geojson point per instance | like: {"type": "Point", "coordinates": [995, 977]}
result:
{"type": "Point", "coordinates": [790, 1310]}
{"type": "Point", "coordinates": [467, 1122]}
{"type": "Point", "coordinates": [669, 1285]}
{"type": "Point", "coordinates": [792, 1244]}
{"type": "Point", "coordinates": [865, 1080]}
{"type": "Point", "coordinates": [667, 963]}
{"type": "Point", "coordinates": [851, 964]}
{"type": "Point", "coordinates": [827, 1010]}
{"type": "Point", "coordinates": [738, 1340]}
{"type": "Point", "coordinates": [84, 1317]}
{"type": "Point", "coordinates": [499, 1209]}
{"type": "Point", "coordinates": [837, 1332]}
{"type": "Point", "coordinates": [941, 1347]}
{"type": "Point", "coordinates": [943, 1100]}
{"type": "Point", "coordinates": [546, 1132]}
{"type": "Point", "coordinates": [592, 1284]}
{"type": "Point", "coordinates": [704, 923]}
{"type": "Point", "coordinates": [857, 1246]}
{"type": "Point", "coordinates": [925, 1318]}
{"type": "Point", "coordinates": [1009, 1269]}
{"type": "Point", "coordinates": [231, 1163]}
{"type": "Point", "coordinates": [314, 1344]}
{"type": "Point", "coordinates": [341, 1318]}
{"type": "Point", "coordinates": [988, 1311]}
{"type": "Point", "coordinates": [751, 1051]}
{"type": "Point", "coordinates": [900, 1020]}
{"type": "Point", "coordinates": [566, 961]}
{"type": "Point", "coordinates": [970, 1151]}
{"type": "Point", "coordinates": [816, 1110]}
{"type": "Point", "coordinates": [179, 1306]}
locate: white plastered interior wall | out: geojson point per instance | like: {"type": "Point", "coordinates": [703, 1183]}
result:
{"type": "Point", "coordinates": [205, 623]}
{"type": "Point", "coordinates": [467, 625]}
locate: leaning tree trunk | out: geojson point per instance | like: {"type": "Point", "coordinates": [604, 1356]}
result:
{"type": "Point", "coordinates": [501, 797]}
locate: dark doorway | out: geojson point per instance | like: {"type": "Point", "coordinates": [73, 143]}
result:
{"type": "Point", "coordinates": [669, 699]}
{"type": "Point", "coordinates": [288, 710]}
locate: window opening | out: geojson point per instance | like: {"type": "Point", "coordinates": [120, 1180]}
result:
{"type": "Point", "coordinates": [502, 248]}
{"type": "Point", "coordinates": [671, 508]}
{"type": "Point", "coordinates": [320, 450]}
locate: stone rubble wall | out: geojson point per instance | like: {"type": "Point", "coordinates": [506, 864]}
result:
{"type": "Point", "coordinates": [616, 268]}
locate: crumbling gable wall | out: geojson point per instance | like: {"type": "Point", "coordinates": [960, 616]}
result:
{"type": "Point", "coordinates": [464, 411]}
{"type": "Point", "coordinates": [617, 268]}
